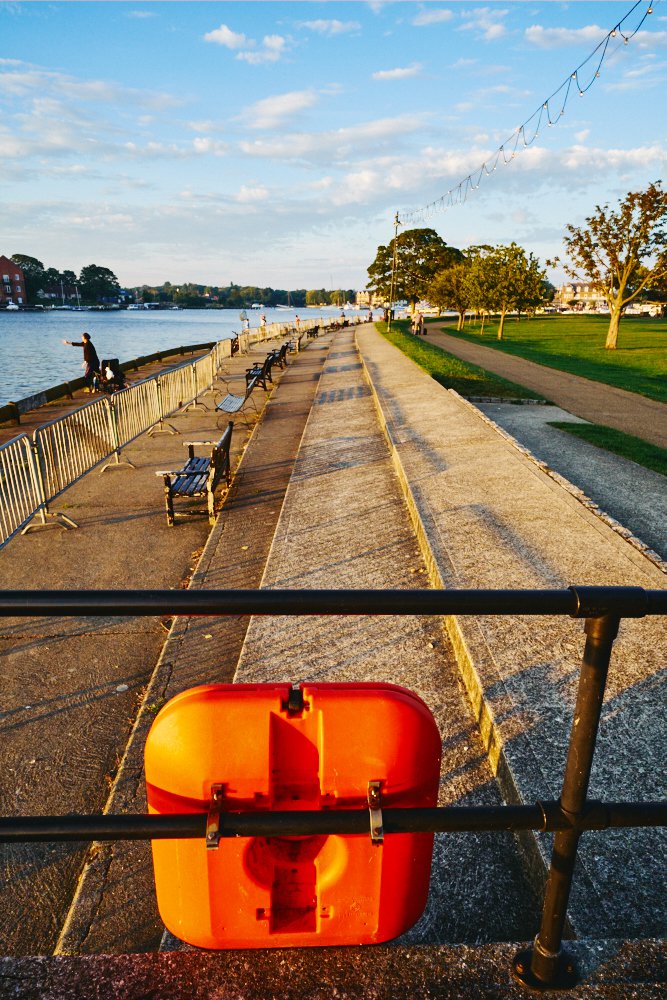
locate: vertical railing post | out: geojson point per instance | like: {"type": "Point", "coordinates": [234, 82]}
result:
{"type": "Point", "coordinates": [545, 964]}
{"type": "Point", "coordinates": [160, 427]}
{"type": "Point", "coordinates": [38, 478]}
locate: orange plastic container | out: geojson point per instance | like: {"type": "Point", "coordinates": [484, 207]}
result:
{"type": "Point", "coordinates": [259, 892]}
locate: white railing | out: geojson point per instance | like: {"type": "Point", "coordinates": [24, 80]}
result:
{"type": "Point", "coordinates": [176, 389]}
{"type": "Point", "coordinates": [34, 472]}
{"type": "Point", "coordinates": [72, 445]}
{"type": "Point", "coordinates": [19, 486]}
{"type": "Point", "coordinates": [136, 409]}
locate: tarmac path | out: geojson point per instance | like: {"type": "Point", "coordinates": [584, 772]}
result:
{"type": "Point", "coordinates": [593, 401]}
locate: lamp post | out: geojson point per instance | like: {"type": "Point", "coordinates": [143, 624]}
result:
{"type": "Point", "coordinates": [393, 273]}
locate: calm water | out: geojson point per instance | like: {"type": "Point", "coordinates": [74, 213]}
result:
{"type": "Point", "coordinates": [33, 356]}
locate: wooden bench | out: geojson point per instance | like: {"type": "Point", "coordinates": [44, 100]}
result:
{"type": "Point", "coordinates": [280, 355]}
{"type": "Point", "coordinates": [313, 333]}
{"type": "Point", "coordinates": [233, 403]}
{"type": "Point", "coordinates": [260, 373]}
{"type": "Point", "coordinates": [199, 476]}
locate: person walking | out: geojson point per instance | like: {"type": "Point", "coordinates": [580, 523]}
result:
{"type": "Point", "coordinates": [420, 324]}
{"type": "Point", "coordinates": [90, 359]}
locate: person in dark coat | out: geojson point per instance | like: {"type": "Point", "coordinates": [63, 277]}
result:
{"type": "Point", "coordinates": [90, 359]}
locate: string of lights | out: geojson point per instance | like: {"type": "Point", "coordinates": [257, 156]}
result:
{"type": "Point", "coordinates": [578, 81]}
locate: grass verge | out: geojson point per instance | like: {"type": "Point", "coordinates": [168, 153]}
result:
{"type": "Point", "coordinates": [450, 372]}
{"type": "Point", "coordinates": [575, 344]}
{"type": "Point", "coordinates": [649, 455]}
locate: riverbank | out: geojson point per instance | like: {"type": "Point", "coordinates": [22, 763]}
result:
{"type": "Point", "coordinates": [34, 356]}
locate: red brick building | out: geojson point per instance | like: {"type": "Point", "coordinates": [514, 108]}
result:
{"type": "Point", "coordinates": [12, 283]}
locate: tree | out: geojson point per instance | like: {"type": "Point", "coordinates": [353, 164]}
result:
{"type": "Point", "coordinates": [33, 273]}
{"type": "Point", "coordinates": [420, 255]}
{"type": "Point", "coordinates": [450, 289]}
{"type": "Point", "coordinates": [532, 289]}
{"type": "Point", "coordinates": [624, 251]}
{"type": "Point", "coordinates": [98, 283]}
{"type": "Point", "coordinates": [502, 278]}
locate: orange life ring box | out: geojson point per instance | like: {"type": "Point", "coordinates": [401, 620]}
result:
{"type": "Point", "coordinates": [268, 751]}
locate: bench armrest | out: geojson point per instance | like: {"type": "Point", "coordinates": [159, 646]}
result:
{"type": "Point", "coordinates": [169, 472]}
{"type": "Point", "coordinates": [201, 444]}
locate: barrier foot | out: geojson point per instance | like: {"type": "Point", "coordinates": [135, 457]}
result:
{"type": "Point", "coordinates": [193, 406]}
{"type": "Point", "coordinates": [162, 429]}
{"type": "Point", "coordinates": [560, 971]}
{"type": "Point", "coordinates": [69, 523]}
{"type": "Point", "coordinates": [117, 464]}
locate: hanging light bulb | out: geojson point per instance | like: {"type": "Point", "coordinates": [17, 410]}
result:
{"type": "Point", "coordinates": [612, 33]}
{"type": "Point", "coordinates": [650, 10]}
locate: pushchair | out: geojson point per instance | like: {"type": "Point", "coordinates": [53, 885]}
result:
{"type": "Point", "coordinates": [110, 377]}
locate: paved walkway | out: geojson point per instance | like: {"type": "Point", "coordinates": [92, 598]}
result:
{"type": "Point", "coordinates": [344, 524]}
{"type": "Point", "coordinates": [593, 401]}
{"type": "Point", "coordinates": [330, 512]}
{"type": "Point", "coordinates": [491, 518]}
{"type": "Point", "coordinates": [634, 496]}
{"type": "Point", "coordinates": [114, 909]}
{"type": "Point", "coordinates": [71, 687]}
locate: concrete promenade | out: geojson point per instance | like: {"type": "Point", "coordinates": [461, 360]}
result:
{"type": "Point", "coordinates": [363, 472]}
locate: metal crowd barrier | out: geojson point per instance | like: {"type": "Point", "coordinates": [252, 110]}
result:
{"type": "Point", "coordinates": [19, 485]}
{"type": "Point", "coordinates": [546, 965]}
{"type": "Point", "coordinates": [33, 472]}
{"type": "Point", "coordinates": [72, 445]}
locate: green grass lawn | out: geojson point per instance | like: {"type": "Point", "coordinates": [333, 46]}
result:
{"type": "Point", "coordinates": [649, 455]}
{"type": "Point", "coordinates": [576, 344]}
{"type": "Point", "coordinates": [467, 379]}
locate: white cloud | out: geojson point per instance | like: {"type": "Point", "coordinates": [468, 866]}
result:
{"type": "Point", "coordinates": [650, 39]}
{"type": "Point", "coordinates": [426, 17]}
{"type": "Point", "coordinates": [398, 73]}
{"type": "Point", "coordinates": [332, 27]}
{"type": "Point", "coordinates": [230, 39]}
{"type": "Point", "coordinates": [30, 80]}
{"type": "Point", "coordinates": [486, 21]}
{"type": "Point", "coordinates": [207, 145]}
{"type": "Point", "coordinates": [337, 144]}
{"type": "Point", "coordinates": [583, 135]}
{"type": "Point", "coordinates": [592, 34]}
{"type": "Point", "coordinates": [140, 14]}
{"type": "Point", "coordinates": [273, 48]}
{"type": "Point", "coordinates": [553, 38]}
{"type": "Point", "coordinates": [272, 111]}
{"type": "Point", "coordinates": [248, 195]}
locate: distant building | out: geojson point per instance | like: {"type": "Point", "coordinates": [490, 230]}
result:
{"type": "Point", "coordinates": [581, 297]}
{"type": "Point", "coordinates": [368, 299]}
{"type": "Point", "coordinates": [12, 284]}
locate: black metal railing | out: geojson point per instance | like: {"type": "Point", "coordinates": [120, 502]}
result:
{"type": "Point", "coordinates": [545, 965]}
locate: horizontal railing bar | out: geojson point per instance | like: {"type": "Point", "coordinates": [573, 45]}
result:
{"type": "Point", "coordinates": [575, 601]}
{"type": "Point", "coordinates": [544, 816]}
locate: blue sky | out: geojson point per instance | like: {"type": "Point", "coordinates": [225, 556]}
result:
{"type": "Point", "coordinates": [271, 143]}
